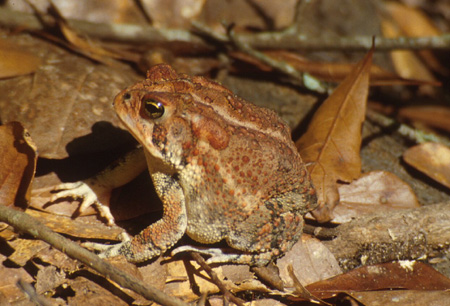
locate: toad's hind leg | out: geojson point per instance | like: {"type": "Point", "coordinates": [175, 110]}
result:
{"type": "Point", "coordinates": [161, 235]}
{"type": "Point", "coordinates": [259, 245]}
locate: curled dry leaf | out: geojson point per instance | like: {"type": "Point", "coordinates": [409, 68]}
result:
{"type": "Point", "coordinates": [373, 192]}
{"type": "Point", "coordinates": [15, 61]}
{"type": "Point", "coordinates": [333, 139]}
{"type": "Point", "coordinates": [431, 158]}
{"type": "Point", "coordinates": [17, 164]}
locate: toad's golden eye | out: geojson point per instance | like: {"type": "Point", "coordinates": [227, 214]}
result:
{"type": "Point", "coordinates": [154, 109]}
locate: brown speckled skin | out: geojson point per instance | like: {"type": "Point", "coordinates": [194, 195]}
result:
{"type": "Point", "coordinates": [223, 167]}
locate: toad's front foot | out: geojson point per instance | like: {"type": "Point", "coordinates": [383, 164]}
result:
{"type": "Point", "coordinates": [89, 193]}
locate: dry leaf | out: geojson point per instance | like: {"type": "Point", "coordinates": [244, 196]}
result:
{"type": "Point", "coordinates": [66, 105]}
{"type": "Point", "coordinates": [411, 275]}
{"type": "Point", "coordinates": [84, 45]}
{"type": "Point", "coordinates": [336, 72]}
{"type": "Point", "coordinates": [10, 293]}
{"type": "Point", "coordinates": [413, 22]}
{"type": "Point", "coordinates": [179, 285]}
{"type": "Point", "coordinates": [183, 274]}
{"type": "Point", "coordinates": [403, 297]}
{"type": "Point", "coordinates": [25, 249]}
{"type": "Point", "coordinates": [82, 228]}
{"type": "Point", "coordinates": [17, 164]}
{"type": "Point", "coordinates": [431, 158]}
{"type": "Point", "coordinates": [310, 260]}
{"type": "Point", "coordinates": [87, 292]}
{"type": "Point", "coordinates": [436, 116]}
{"type": "Point", "coordinates": [49, 278]}
{"type": "Point", "coordinates": [333, 139]}
{"type": "Point", "coordinates": [406, 63]}
{"type": "Point", "coordinates": [373, 192]}
{"type": "Point", "coordinates": [15, 61]}
{"type": "Point", "coordinates": [173, 13]}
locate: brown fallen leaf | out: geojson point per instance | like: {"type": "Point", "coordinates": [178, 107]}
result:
{"type": "Point", "coordinates": [17, 165]}
{"type": "Point", "coordinates": [410, 275]}
{"type": "Point", "coordinates": [25, 249]}
{"type": "Point", "coordinates": [403, 297]}
{"type": "Point", "coordinates": [435, 116]}
{"type": "Point", "coordinates": [81, 228]}
{"type": "Point", "coordinates": [373, 192]}
{"type": "Point", "coordinates": [430, 158]}
{"type": "Point", "coordinates": [333, 139]}
{"type": "Point", "coordinates": [311, 262]}
{"type": "Point", "coordinates": [80, 124]}
{"type": "Point", "coordinates": [10, 293]}
{"type": "Point", "coordinates": [173, 13]}
{"type": "Point", "coordinates": [413, 22]}
{"type": "Point", "coordinates": [15, 61]}
{"type": "Point", "coordinates": [405, 62]}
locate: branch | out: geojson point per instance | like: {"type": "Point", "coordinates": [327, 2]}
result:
{"type": "Point", "coordinates": [416, 233]}
{"type": "Point", "coordinates": [287, 39]}
{"type": "Point", "coordinates": [26, 224]}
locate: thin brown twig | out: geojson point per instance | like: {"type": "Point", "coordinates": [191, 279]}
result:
{"type": "Point", "coordinates": [288, 39]}
{"type": "Point", "coordinates": [215, 279]}
{"type": "Point", "coordinates": [27, 224]}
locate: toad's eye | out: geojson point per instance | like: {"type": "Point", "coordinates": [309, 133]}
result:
{"type": "Point", "coordinates": [152, 108]}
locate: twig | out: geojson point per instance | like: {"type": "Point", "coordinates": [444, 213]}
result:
{"type": "Point", "coordinates": [405, 130]}
{"type": "Point", "coordinates": [215, 279]}
{"type": "Point", "coordinates": [131, 33]}
{"type": "Point", "coordinates": [278, 65]}
{"type": "Point", "coordinates": [26, 224]}
{"type": "Point", "coordinates": [287, 39]}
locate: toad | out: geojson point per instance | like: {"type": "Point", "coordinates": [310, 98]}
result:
{"type": "Point", "coordinates": [223, 168]}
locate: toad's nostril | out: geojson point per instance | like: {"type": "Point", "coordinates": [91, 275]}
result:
{"type": "Point", "coordinates": [126, 96]}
